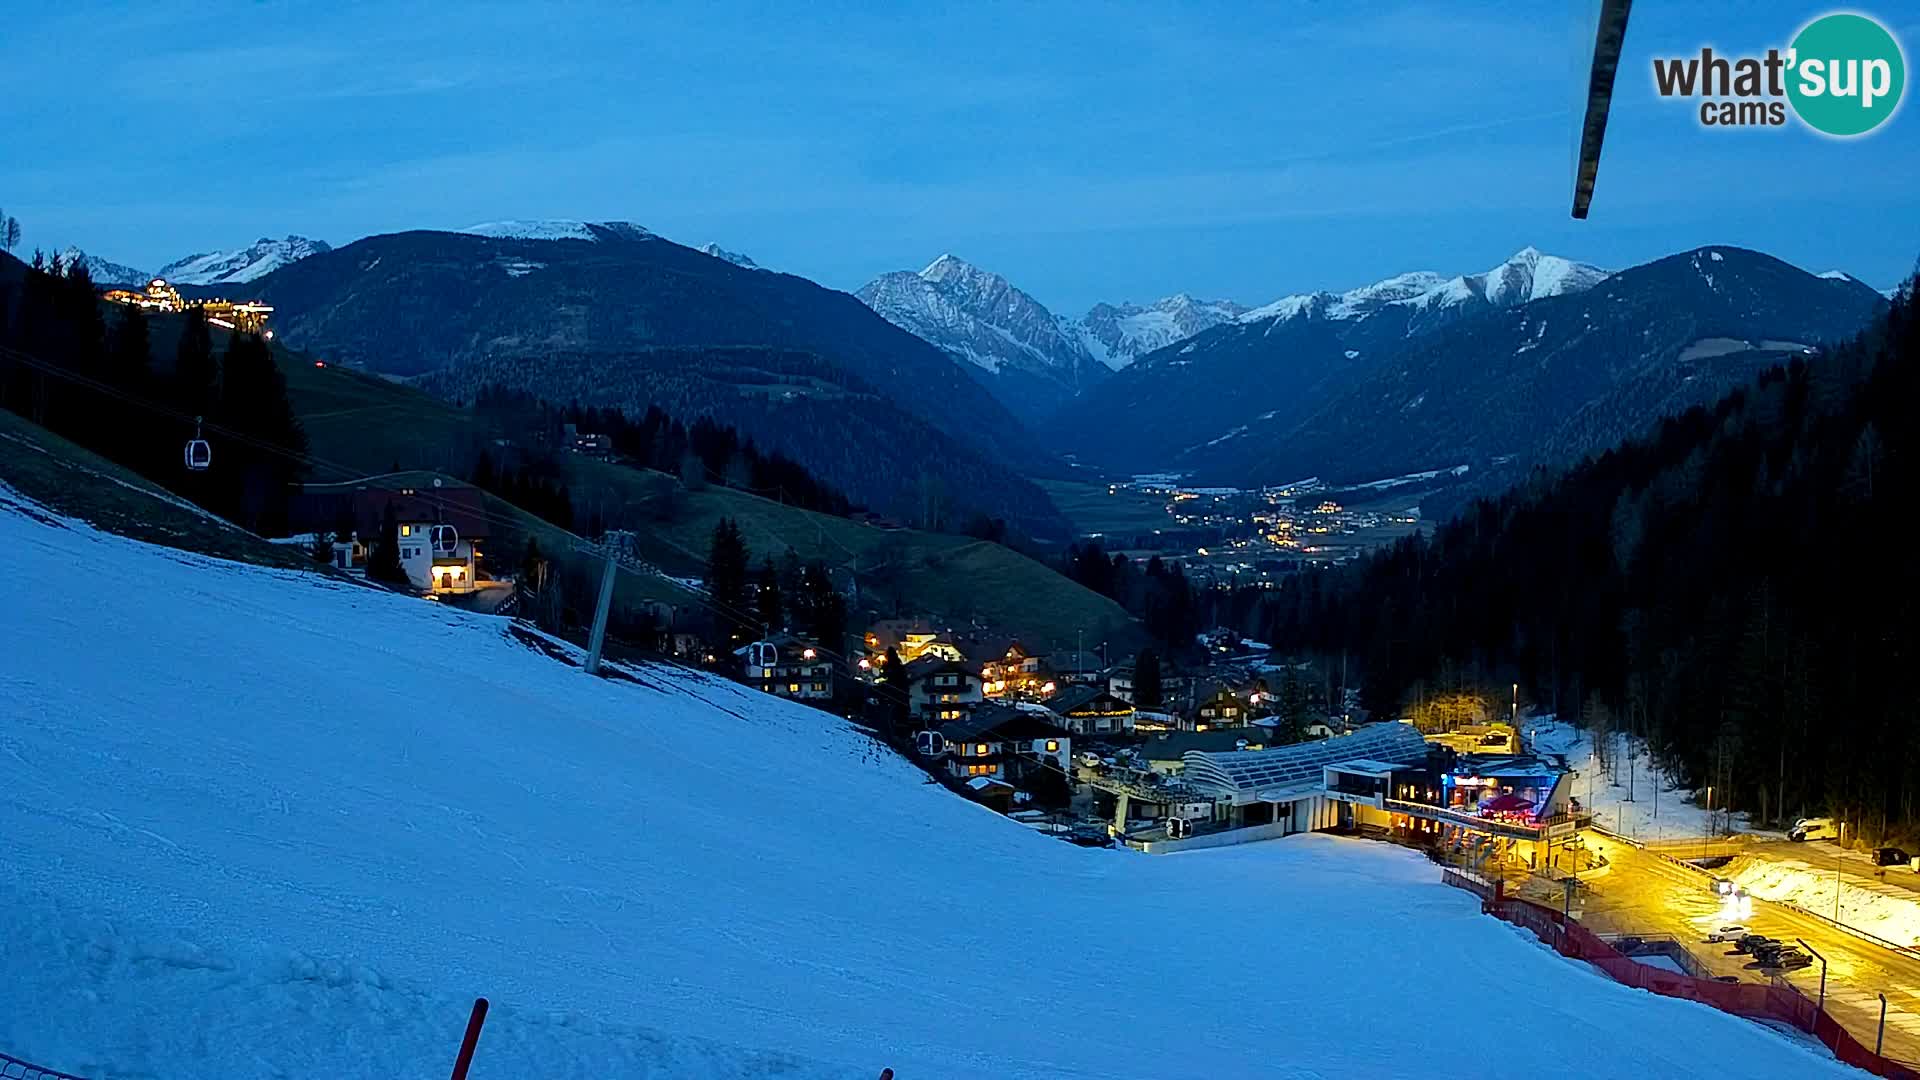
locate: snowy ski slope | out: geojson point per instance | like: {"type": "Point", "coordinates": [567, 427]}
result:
{"type": "Point", "coordinates": [254, 823]}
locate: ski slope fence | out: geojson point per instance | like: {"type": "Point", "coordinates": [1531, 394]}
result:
{"type": "Point", "coordinates": [1777, 1002]}
{"type": "Point", "coordinates": [15, 1069]}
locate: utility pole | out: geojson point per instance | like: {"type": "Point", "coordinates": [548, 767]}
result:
{"type": "Point", "coordinates": [598, 639]}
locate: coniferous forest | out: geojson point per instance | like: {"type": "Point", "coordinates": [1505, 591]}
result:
{"type": "Point", "coordinates": [1737, 588]}
{"type": "Point", "coordinates": [90, 375]}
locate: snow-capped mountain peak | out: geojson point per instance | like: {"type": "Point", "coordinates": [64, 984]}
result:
{"type": "Point", "coordinates": [980, 317]}
{"type": "Point", "coordinates": [104, 271]}
{"type": "Point", "coordinates": [1529, 274]}
{"type": "Point", "coordinates": [733, 257]}
{"type": "Point", "coordinates": [1118, 334]}
{"type": "Point", "coordinates": [262, 257]}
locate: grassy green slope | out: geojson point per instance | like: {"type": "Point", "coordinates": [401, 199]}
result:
{"type": "Point", "coordinates": [956, 578]}
{"type": "Point", "coordinates": [79, 483]}
{"type": "Point", "coordinates": [371, 424]}
{"type": "Point", "coordinates": [1093, 509]}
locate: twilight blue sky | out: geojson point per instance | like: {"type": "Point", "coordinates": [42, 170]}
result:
{"type": "Point", "coordinates": [1089, 152]}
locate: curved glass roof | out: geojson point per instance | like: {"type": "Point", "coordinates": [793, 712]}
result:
{"type": "Point", "coordinates": [1247, 771]}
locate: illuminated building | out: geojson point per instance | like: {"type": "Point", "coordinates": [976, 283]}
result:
{"type": "Point", "coordinates": [246, 316]}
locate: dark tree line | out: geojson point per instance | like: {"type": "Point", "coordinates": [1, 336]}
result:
{"type": "Point", "coordinates": [702, 453]}
{"type": "Point", "coordinates": [532, 482]}
{"type": "Point", "coordinates": [94, 381]}
{"type": "Point", "coordinates": [1158, 591]}
{"type": "Point", "coordinates": [789, 596]}
{"type": "Point", "coordinates": [1738, 588]}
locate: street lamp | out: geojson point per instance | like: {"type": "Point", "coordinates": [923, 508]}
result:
{"type": "Point", "coordinates": [1709, 836]}
{"type": "Point", "coordinates": [1823, 971]}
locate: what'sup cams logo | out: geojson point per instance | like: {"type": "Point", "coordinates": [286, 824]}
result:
{"type": "Point", "coordinates": [1843, 75]}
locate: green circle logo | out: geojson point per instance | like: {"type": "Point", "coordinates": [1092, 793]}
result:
{"type": "Point", "coordinates": [1847, 74]}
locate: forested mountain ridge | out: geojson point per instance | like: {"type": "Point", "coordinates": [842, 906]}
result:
{"type": "Point", "coordinates": [1550, 380]}
{"type": "Point", "coordinates": [1736, 586]}
{"type": "Point", "coordinates": [791, 402]}
{"type": "Point", "coordinates": [1390, 380]}
{"type": "Point", "coordinates": [1211, 403]}
{"type": "Point", "coordinates": [416, 302]}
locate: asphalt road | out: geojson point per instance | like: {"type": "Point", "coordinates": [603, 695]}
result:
{"type": "Point", "coordinates": [1642, 894]}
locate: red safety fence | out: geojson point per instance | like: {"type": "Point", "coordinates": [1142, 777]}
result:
{"type": "Point", "coordinates": [1757, 1001]}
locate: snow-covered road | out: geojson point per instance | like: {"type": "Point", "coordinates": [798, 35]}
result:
{"type": "Point", "coordinates": [253, 823]}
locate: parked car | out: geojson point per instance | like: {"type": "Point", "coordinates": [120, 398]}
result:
{"type": "Point", "coordinates": [1726, 978]}
{"type": "Point", "coordinates": [1793, 960]}
{"type": "Point", "coordinates": [1728, 933]}
{"type": "Point", "coordinates": [1752, 941]}
{"type": "Point", "coordinates": [1891, 856]}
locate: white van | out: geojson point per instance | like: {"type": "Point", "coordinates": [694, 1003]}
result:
{"type": "Point", "coordinates": [1813, 828]}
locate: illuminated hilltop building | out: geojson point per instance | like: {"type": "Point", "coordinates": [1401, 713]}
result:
{"type": "Point", "coordinates": [246, 316]}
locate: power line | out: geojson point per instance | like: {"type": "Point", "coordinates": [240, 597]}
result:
{"type": "Point", "coordinates": [740, 619]}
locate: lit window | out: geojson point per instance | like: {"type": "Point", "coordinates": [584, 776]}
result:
{"type": "Point", "coordinates": [406, 530]}
{"type": "Point", "coordinates": [766, 673]}
{"type": "Point", "coordinates": [793, 688]}
{"type": "Point", "coordinates": [980, 750]}
{"type": "Point", "coordinates": [1053, 746]}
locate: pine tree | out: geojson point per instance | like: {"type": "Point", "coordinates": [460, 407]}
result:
{"type": "Point", "coordinates": [767, 598]}
{"type": "Point", "coordinates": [1147, 685]}
{"type": "Point", "coordinates": [383, 563]}
{"type": "Point", "coordinates": [134, 439]}
{"type": "Point", "coordinates": [1295, 710]}
{"type": "Point", "coordinates": [896, 687]}
{"type": "Point", "coordinates": [9, 232]}
{"type": "Point", "coordinates": [195, 387]}
{"type": "Point", "coordinates": [256, 474]}
{"type": "Point", "coordinates": [727, 576]}
{"type": "Point", "coordinates": [822, 608]}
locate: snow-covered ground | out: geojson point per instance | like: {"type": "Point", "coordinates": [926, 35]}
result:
{"type": "Point", "coordinates": [1668, 814]}
{"type": "Point", "coordinates": [1883, 910]}
{"type": "Point", "coordinates": [258, 823]}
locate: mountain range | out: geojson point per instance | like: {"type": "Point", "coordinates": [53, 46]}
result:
{"type": "Point", "coordinates": [922, 396]}
{"type": "Point", "coordinates": [226, 267]}
{"type": "Point", "coordinates": [1030, 358]}
{"type": "Point", "coordinates": [256, 260]}
{"type": "Point", "coordinates": [104, 271]}
{"type": "Point", "coordinates": [610, 314]}
{"type": "Point", "coordinates": [1537, 360]}
{"type": "Point", "coordinates": [1034, 360]}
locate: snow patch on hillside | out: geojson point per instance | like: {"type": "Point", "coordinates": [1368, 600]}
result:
{"type": "Point", "coordinates": [558, 229]}
{"type": "Point", "coordinates": [551, 229]}
{"type": "Point", "coordinates": [1622, 792]}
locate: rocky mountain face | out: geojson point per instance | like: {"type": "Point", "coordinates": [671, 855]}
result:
{"type": "Point", "coordinates": [1535, 359]}
{"type": "Point", "coordinates": [1119, 334]}
{"type": "Point", "coordinates": [105, 271]}
{"type": "Point", "coordinates": [733, 257]}
{"type": "Point", "coordinates": [256, 260]}
{"type": "Point", "coordinates": [1033, 360]}
{"type": "Point", "coordinates": [557, 308]}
